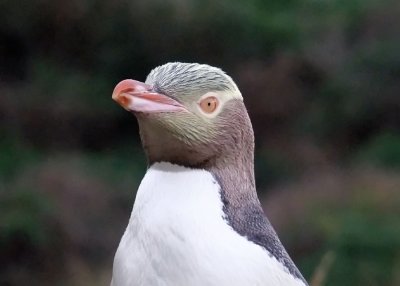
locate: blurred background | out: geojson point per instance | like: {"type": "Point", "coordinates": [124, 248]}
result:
{"type": "Point", "coordinates": [321, 80]}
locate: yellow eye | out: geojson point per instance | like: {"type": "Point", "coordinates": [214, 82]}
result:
{"type": "Point", "coordinates": [209, 104]}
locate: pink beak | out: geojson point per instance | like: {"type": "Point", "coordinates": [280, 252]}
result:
{"type": "Point", "coordinates": [137, 96]}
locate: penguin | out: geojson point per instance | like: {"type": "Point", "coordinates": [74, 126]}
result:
{"type": "Point", "coordinates": [196, 219]}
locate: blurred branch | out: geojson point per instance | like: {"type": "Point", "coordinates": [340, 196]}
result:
{"type": "Point", "coordinates": [322, 269]}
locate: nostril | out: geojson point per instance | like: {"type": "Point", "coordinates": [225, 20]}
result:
{"type": "Point", "coordinates": [123, 99]}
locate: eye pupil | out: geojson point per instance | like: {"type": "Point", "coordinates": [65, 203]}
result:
{"type": "Point", "coordinates": [209, 104]}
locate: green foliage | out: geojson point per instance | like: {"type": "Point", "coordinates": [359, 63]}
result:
{"type": "Point", "coordinates": [25, 216]}
{"type": "Point", "coordinates": [14, 157]}
{"type": "Point", "coordinates": [272, 168]}
{"type": "Point", "coordinates": [366, 248]}
{"type": "Point", "coordinates": [123, 168]}
{"type": "Point", "coordinates": [382, 151]}
{"type": "Point", "coordinates": [364, 236]}
{"type": "Point", "coordinates": [66, 89]}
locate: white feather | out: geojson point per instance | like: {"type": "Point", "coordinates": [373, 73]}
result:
{"type": "Point", "coordinates": [177, 237]}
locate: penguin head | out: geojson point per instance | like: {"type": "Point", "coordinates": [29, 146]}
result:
{"type": "Point", "coordinates": [188, 113]}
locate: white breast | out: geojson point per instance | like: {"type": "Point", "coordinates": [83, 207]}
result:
{"type": "Point", "coordinates": [177, 237]}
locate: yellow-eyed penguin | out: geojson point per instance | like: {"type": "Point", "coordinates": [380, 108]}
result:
{"type": "Point", "coordinates": [196, 220]}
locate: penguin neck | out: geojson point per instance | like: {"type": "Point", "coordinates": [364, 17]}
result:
{"type": "Point", "coordinates": [234, 167]}
{"type": "Point", "coordinates": [235, 174]}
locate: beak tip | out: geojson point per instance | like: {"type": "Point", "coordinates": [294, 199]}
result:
{"type": "Point", "coordinates": [137, 96]}
{"type": "Point", "coordinates": [128, 85]}
{"type": "Point", "coordinates": [114, 96]}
